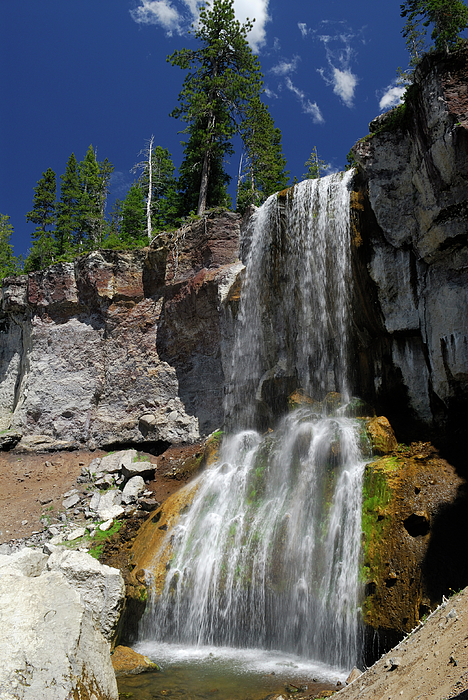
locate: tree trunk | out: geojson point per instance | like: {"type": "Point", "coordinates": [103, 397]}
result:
{"type": "Point", "coordinates": [204, 184]}
{"type": "Point", "coordinates": [150, 189]}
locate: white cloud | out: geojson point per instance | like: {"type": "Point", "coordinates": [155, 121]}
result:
{"type": "Point", "coordinates": [391, 97]}
{"type": "Point", "coordinates": [284, 67]}
{"type": "Point", "coordinates": [159, 12]}
{"type": "Point", "coordinates": [176, 16]}
{"type": "Point", "coordinates": [307, 106]}
{"type": "Point", "coordinates": [254, 9]}
{"type": "Point", "coordinates": [303, 28]}
{"type": "Point", "coordinates": [270, 93]}
{"type": "Point", "coordinates": [344, 84]}
{"type": "Point", "coordinates": [339, 53]}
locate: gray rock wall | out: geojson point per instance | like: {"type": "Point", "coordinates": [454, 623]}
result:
{"type": "Point", "coordinates": [411, 212]}
{"type": "Point", "coordinates": [88, 348]}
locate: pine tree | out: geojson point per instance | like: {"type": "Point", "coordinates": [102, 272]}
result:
{"type": "Point", "coordinates": [9, 264]}
{"type": "Point", "coordinates": [223, 76]}
{"type": "Point", "coordinates": [43, 214]}
{"type": "Point", "coordinates": [315, 166]}
{"type": "Point", "coordinates": [94, 187]}
{"type": "Point", "coordinates": [134, 222]}
{"type": "Point", "coordinates": [264, 170]}
{"type": "Point", "coordinates": [68, 210]}
{"type": "Point", "coordinates": [447, 17]}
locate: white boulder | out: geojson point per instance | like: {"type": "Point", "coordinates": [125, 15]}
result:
{"type": "Point", "coordinates": [133, 488]}
{"type": "Point", "coordinates": [101, 588]}
{"type": "Point", "coordinates": [53, 623]}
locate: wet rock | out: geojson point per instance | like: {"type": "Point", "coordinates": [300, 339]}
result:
{"type": "Point", "coordinates": [127, 662]}
{"type": "Point", "coordinates": [418, 523]}
{"type": "Point", "coordinates": [397, 538]}
{"type": "Point", "coordinates": [148, 504]}
{"type": "Point", "coordinates": [381, 435]}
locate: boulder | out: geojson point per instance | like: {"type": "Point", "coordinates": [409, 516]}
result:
{"type": "Point", "coordinates": [127, 662]}
{"type": "Point", "coordinates": [381, 435]}
{"type": "Point", "coordinates": [9, 438]}
{"type": "Point", "coordinates": [101, 587]}
{"type": "Point", "coordinates": [28, 562]}
{"type": "Point", "coordinates": [52, 644]}
{"type": "Point", "coordinates": [109, 505]}
{"type": "Point", "coordinates": [133, 488]}
{"type": "Point", "coordinates": [143, 469]}
{"type": "Point", "coordinates": [115, 462]}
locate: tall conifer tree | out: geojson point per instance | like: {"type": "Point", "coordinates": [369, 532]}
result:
{"type": "Point", "coordinates": [223, 76]}
{"type": "Point", "coordinates": [68, 209]}
{"type": "Point", "coordinates": [43, 214]}
{"type": "Point", "coordinates": [264, 170]}
{"type": "Point", "coordinates": [9, 264]}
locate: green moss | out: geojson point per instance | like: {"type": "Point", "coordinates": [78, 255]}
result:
{"type": "Point", "coordinates": [99, 538]}
{"type": "Point", "coordinates": [376, 497]}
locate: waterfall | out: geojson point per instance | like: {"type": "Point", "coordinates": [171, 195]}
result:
{"type": "Point", "coordinates": [267, 555]}
{"type": "Point", "coordinates": [293, 319]}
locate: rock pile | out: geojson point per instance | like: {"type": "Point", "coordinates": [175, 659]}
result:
{"type": "Point", "coordinates": [109, 488]}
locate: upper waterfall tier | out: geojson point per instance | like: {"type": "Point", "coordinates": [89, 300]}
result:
{"type": "Point", "coordinates": [293, 324]}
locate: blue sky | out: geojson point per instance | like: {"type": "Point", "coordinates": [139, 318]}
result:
{"type": "Point", "coordinates": [81, 72]}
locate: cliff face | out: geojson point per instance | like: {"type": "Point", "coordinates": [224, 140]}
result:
{"type": "Point", "coordinates": [120, 347]}
{"type": "Point", "coordinates": [410, 212]}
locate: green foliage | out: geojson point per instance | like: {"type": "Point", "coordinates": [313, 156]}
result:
{"type": "Point", "coordinates": [447, 17]}
{"type": "Point", "coordinates": [264, 171]}
{"type": "Point", "coordinates": [133, 228]}
{"type": "Point", "coordinates": [164, 199]}
{"type": "Point", "coordinates": [315, 166]}
{"type": "Point", "coordinates": [99, 539]}
{"type": "Point", "coordinates": [9, 264]}
{"type": "Point", "coordinates": [43, 214]}
{"type": "Point", "coordinates": [68, 209]}
{"type": "Point", "coordinates": [351, 161]}
{"type": "Point", "coordinates": [94, 179]}
{"type": "Point", "coordinates": [224, 75]}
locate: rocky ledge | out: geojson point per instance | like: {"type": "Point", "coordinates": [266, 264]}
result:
{"type": "Point", "coordinates": [120, 348]}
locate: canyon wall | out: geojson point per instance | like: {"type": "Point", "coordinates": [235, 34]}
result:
{"type": "Point", "coordinates": [121, 347]}
{"type": "Point", "coordinates": [410, 216]}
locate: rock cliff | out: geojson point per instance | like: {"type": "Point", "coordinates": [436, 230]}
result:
{"type": "Point", "coordinates": [410, 212]}
{"type": "Point", "coordinates": [121, 347]}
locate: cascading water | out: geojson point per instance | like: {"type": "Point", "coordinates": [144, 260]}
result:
{"type": "Point", "coordinates": [267, 555]}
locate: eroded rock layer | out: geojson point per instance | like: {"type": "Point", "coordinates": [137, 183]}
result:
{"type": "Point", "coordinates": [120, 347]}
